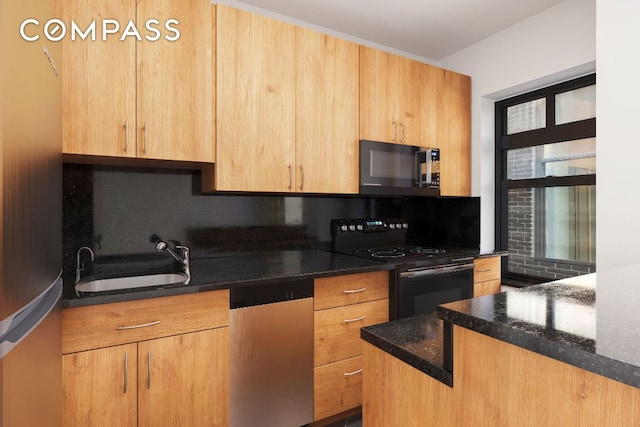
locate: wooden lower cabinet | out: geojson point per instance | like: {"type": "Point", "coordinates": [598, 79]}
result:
{"type": "Point", "coordinates": [178, 380]}
{"type": "Point", "coordinates": [183, 380]}
{"type": "Point", "coordinates": [487, 276]}
{"type": "Point", "coordinates": [337, 387]}
{"type": "Point", "coordinates": [155, 362]}
{"type": "Point", "coordinates": [100, 387]}
{"type": "Point", "coordinates": [343, 305]}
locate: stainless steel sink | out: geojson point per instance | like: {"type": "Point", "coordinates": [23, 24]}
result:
{"type": "Point", "coordinates": [129, 282]}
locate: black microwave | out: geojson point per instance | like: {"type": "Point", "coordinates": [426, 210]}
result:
{"type": "Point", "coordinates": [398, 169]}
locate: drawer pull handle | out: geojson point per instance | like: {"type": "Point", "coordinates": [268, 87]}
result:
{"type": "Point", "coordinates": [355, 320]}
{"type": "Point", "coordinates": [349, 374]}
{"type": "Point", "coordinates": [354, 291]}
{"type": "Point", "coordinates": [144, 325]}
{"type": "Point", "coordinates": [485, 270]}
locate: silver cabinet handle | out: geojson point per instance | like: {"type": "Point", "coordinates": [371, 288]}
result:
{"type": "Point", "coordinates": [485, 270]}
{"type": "Point", "coordinates": [395, 131]}
{"type": "Point", "coordinates": [301, 177]}
{"type": "Point", "coordinates": [354, 291]}
{"type": "Point", "coordinates": [126, 135]}
{"type": "Point", "coordinates": [402, 126]}
{"type": "Point", "coordinates": [126, 371]}
{"type": "Point", "coordinates": [149, 370]}
{"type": "Point", "coordinates": [354, 320]}
{"type": "Point", "coordinates": [144, 138]}
{"type": "Point", "coordinates": [290, 177]}
{"type": "Point", "coordinates": [349, 374]}
{"type": "Point", "coordinates": [144, 325]}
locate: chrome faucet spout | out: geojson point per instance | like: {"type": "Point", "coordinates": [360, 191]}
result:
{"type": "Point", "coordinates": [79, 265]}
{"type": "Point", "coordinates": [182, 258]}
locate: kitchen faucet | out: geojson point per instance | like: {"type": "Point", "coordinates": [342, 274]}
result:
{"type": "Point", "coordinates": [79, 266]}
{"type": "Point", "coordinates": [183, 258]}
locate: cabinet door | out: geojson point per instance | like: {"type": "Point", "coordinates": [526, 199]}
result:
{"type": "Point", "coordinates": [98, 82]}
{"type": "Point", "coordinates": [184, 379]}
{"type": "Point", "coordinates": [100, 387]}
{"type": "Point", "coordinates": [326, 114]}
{"type": "Point", "coordinates": [409, 111]}
{"type": "Point", "coordinates": [454, 133]}
{"type": "Point", "coordinates": [176, 82]}
{"type": "Point", "coordinates": [378, 95]}
{"type": "Point", "coordinates": [256, 103]}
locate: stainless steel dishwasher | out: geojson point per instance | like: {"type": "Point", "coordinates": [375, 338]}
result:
{"type": "Point", "coordinates": [271, 365]}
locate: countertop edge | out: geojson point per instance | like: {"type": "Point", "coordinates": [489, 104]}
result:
{"type": "Point", "coordinates": [437, 373]}
{"type": "Point", "coordinates": [601, 365]}
{"type": "Point", "coordinates": [146, 293]}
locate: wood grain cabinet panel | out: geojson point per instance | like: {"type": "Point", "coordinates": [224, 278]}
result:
{"type": "Point", "coordinates": [338, 318]}
{"type": "Point", "coordinates": [89, 327]}
{"type": "Point", "coordinates": [177, 374]}
{"type": "Point", "coordinates": [337, 387]}
{"type": "Point", "coordinates": [144, 99]}
{"type": "Point", "coordinates": [348, 289]}
{"type": "Point", "coordinates": [287, 108]}
{"type": "Point", "coordinates": [487, 276]}
{"type": "Point", "coordinates": [397, 99]}
{"type": "Point", "coordinates": [453, 124]}
{"type": "Point", "coordinates": [100, 387]}
{"type": "Point", "coordinates": [337, 330]}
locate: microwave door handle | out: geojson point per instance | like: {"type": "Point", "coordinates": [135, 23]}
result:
{"type": "Point", "coordinates": [422, 168]}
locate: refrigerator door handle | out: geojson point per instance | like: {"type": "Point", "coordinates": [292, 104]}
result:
{"type": "Point", "coordinates": [16, 327]}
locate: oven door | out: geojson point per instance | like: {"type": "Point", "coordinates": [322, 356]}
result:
{"type": "Point", "coordinates": [420, 290]}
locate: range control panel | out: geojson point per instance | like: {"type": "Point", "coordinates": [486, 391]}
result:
{"type": "Point", "coordinates": [352, 234]}
{"type": "Point", "coordinates": [367, 225]}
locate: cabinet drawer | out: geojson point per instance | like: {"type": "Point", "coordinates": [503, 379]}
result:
{"type": "Point", "coordinates": [337, 330]}
{"type": "Point", "coordinates": [89, 327]}
{"type": "Point", "coordinates": [487, 287]}
{"type": "Point", "coordinates": [337, 387]}
{"type": "Point", "coordinates": [486, 269]}
{"type": "Point", "coordinates": [350, 289]}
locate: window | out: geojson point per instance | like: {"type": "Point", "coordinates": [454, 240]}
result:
{"type": "Point", "coordinates": [545, 182]}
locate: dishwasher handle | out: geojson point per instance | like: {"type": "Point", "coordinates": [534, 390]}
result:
{"type": "Point", "coordinates": [432, 271]}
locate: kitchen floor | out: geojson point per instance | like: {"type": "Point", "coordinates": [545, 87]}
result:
{"type": "Point", "coordinates": [354, 421]}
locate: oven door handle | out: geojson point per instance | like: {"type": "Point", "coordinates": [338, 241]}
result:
{"type": "Point", "coordinates": [432, 271]}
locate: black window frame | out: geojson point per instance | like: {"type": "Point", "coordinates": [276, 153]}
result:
{"type": "Point", "coordinates": [551, 133]}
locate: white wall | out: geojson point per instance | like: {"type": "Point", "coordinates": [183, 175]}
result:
{"type": "Point", "coordinates": [555, 45]}
{"type": "Point", "coordinates": [618, 148]}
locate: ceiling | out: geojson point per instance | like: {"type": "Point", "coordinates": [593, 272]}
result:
{"type": "Point", "coordinates": [429, 29]}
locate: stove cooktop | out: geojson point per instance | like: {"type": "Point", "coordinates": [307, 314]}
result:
{"type": "Point", "coordinates": [395, 252]}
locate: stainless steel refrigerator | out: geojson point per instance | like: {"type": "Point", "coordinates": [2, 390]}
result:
{"type": "Point", "coordinates": [31, 216]}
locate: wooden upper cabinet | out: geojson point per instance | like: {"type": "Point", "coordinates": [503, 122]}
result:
{"type": "Point", "coordinates": [256, 102]}
{"type": "Point", "coordinates": [98, 82]}
{"type": "Point", "coordinates": [378, 95]}
{"type": "Point", "coordinates": [130, 98]}
{"type": "Point", "coordinates": [392, 89]}
{"type": "Point", "coordinates": [287, 109]}
{"type": "Point", "coordinates": [454, 132]}
{"type": "Point", "coordinates": [327, 152]}
{"type": "Point", "coordinates": [176, 83]}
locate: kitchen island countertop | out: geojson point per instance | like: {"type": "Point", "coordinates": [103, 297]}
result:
{"type": "Point", "coordinates": [555, 319]}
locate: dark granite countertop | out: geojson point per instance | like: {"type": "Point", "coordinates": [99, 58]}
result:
{"type": "Point", "coordinates": [555, 319]}
{"type": "Point", "coordinates": [415, 340]}
{"type": "Point", "coordinates": [558, 320]}
{"type": "Point", "coordinates": [224, 270]}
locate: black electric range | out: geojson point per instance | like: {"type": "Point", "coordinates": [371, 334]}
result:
{"type": "Point", "coordinates": [424, 275]}
{"type": "Point", "coordinates": [385, 240]}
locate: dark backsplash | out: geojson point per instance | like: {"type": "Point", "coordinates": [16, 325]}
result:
{"type": "Point", "coordinates": [115, 211]}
